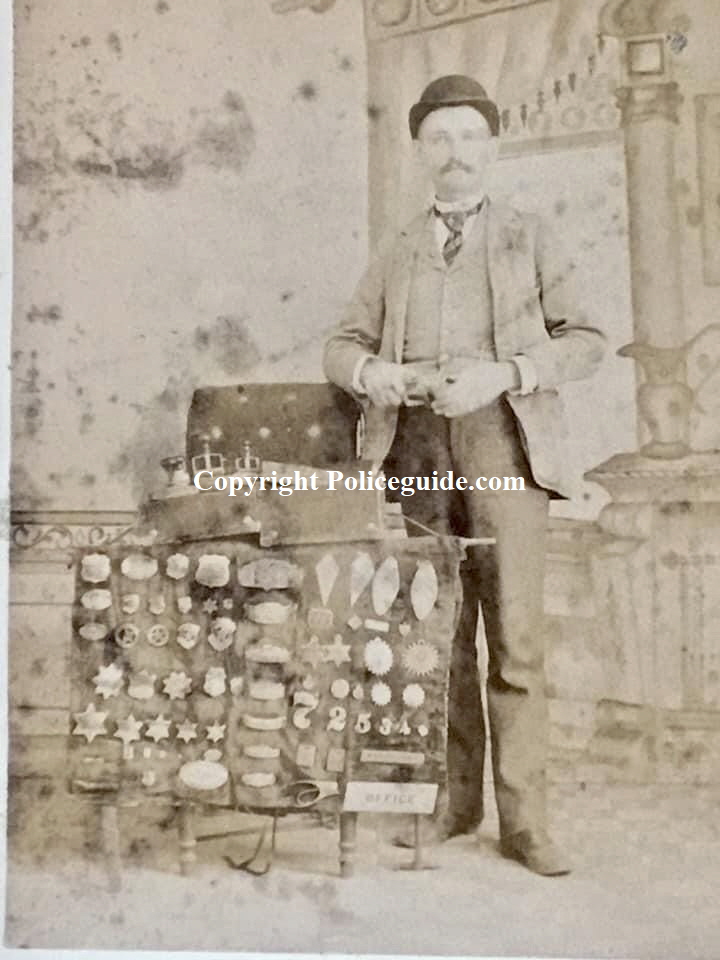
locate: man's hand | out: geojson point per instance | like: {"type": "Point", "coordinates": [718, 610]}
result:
{"type": "Point", "coordinates": [383, 382]}
{"type": "Point", "coordinates": [475, 387]}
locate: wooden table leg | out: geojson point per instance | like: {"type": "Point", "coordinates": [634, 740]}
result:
{"type": "Point", "coordinates": [348, 839]}
{"type": "Point", "coordinates": [188, 842]}
{"type": "Point", "coordinates": [110, 839]}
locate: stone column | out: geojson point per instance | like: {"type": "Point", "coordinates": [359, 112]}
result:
{"type": "Point", "coordinates": [659, 571]}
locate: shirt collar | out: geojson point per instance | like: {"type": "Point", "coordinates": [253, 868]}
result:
{"type": "Point", "coordinates": [452, 206]}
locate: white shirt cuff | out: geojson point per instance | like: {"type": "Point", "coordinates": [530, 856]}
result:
{"type": "Point", "coordinates": [528, 375]}
{"type": "Point", "coordinates": [356, 384]}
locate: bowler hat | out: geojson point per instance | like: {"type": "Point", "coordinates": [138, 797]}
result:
{"type": "Point", "coordinates": [453, 91]}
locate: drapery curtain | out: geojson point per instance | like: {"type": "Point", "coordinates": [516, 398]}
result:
{"type": "Point", "coordinates": [528, 58]}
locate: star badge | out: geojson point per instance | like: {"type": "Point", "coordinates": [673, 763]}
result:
{"type": "Point", "coordinates": [311, 652]}
{"type": "Point", "coordinates": [210, 606]}
{"type": "Point", "coordinates": [108, 681]}
{"type": "Point", "coordinates": [336, 652]}
{"type": "Point", "coordinates": [420, 658]}
{"type": "Point", "coordinates": [215, 732]}
{"type": "Point", "coordinates": [177, 685]}
{"type": "Point", "coordinates": [187, 731]}
{"type": "Point", "coordinates": [326, 571]}
{"type": "Point", "coordinates": [90, 723]}
{"type": "Point", "coordinates": [158, 729]}
{"type": "Point", "coordinates": [128, 730]}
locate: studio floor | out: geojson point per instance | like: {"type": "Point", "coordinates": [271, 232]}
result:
{"type": "Point", "coordinates": [646, 884]}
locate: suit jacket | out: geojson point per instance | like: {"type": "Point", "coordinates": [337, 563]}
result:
{"type": "Point", "coordinates": [530, 317]}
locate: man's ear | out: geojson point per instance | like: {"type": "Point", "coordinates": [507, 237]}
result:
{"type": "Point", "coordinates": [494, 149]}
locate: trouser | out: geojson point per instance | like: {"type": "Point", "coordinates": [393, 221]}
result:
{"type": "Point", "coordinates": [507, 580]}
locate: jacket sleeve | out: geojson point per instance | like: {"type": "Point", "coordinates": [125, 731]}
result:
{"type": "Point", "coordinates": [573, 349]}
{"type": "Point", "coordinates": [359, 333]}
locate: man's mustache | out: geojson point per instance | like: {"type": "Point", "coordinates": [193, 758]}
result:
{"type": "Point", "coordinates": [456, 165]}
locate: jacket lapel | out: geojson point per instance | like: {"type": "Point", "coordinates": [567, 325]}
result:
{"type": "Point", "coordinates": [398, 285]}
{"type": "Point", "coordinates": [511, 269]}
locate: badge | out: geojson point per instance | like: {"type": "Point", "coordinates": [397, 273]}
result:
{"type": "Point", "coordinates": [157, 635]}
{"type": "Point", "coordinates": [95, 567]}
{"type": "Point", "coordinates": [320, 618]}
{"type": "Point", "coordinates": [385, 585]}
{"type": "Point", "coordinates": [420, 658]}
{"type": "Point", "coordinates": [142, 685]}
{"type": "Point", "coordinates": [203, 774]}
{"type": "Point", "coordinates": [413, 695]}
{"type": "Point", "coordinates": [187, 731]}
{"type": "Point", "coordinates": [130, 603]}
{"type": "Point", "coordinates": [258, 780]}
{"type": "Point", "coordinates": [184, 604]}
{"type": "Point", "coordinates": [268, 611]}
{"type": "Point", "coordinates": [177, 566]}
{"type": "Point", "coordinates": [156, 604]}
{"type": "Point", "coordinates": [108, 681]}
{"type": "Point", "coordinates": [335, 760]}
{"type": "Point", "coordinates": [305, 756]}
{"type": "Point", "coordinates": [158, 729]}
{"type": "Point", "coordinates": [311, 652]}
{"type": "Point", "coordinates": [187, 635]}
{"type": "Point", "coordinates": [423, 589]}
{"type": "Point", "coordinates": [96, 599]}
{"type": "Point", "coordinates": [177, 685]}
{"type": "Point", "coordinates": [214, 685]}
{"type": "Point", "coordinates": [361, 573]}
{"type": "Point", "coordinates": [336, 652]}
{"type": "Point", "coordinates": [263, 723]}
{"type": "Point", "coordinates": [378, 656]}
{"type": "Point", "coordinates": [222, 633]}
{"type": "Point", "coordinates": [267, 653]}
{"type": "Point", "coordinates": [138, 566]}
{"type": "Point", "coordinates": [90, 723]}
{"type": "Point", "coordinates": [128, 730]}
{"type": "Point", "coordinates": [326, 571]}
{"type": "Point", "coordinates": [215, 732]}
{"type": "Point", "coordinates": [266, 690]}
{"type": "Point", "coordinates": [261, 751]}
{"type": "Point", "coordinates": [340, 688]}
{"type": "Point", "coordinates": [380, 694]}
{"type": "Point", "coordinates": [269, 574]}
{"type": "Point", "coordinates": [126, 635]}
{"type": "Point", "coordinates": [93, 631]}
{"type": "Point", "coordinates": [213, 570]}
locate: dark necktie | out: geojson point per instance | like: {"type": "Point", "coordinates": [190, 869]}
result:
{"type": "Point", "coordinates": [455, 220]}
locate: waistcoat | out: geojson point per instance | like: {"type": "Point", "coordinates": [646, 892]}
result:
{"type": "Point", "coordinates": [449, 309]}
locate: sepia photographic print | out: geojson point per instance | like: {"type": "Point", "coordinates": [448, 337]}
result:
{"type": "Point", "coordinates": [364, 497]}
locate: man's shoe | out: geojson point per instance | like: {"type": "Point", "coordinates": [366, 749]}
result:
{"type": "Point", "coordinates": [536, 851]}
{"type": "Point", "coordinates": [435, 831]}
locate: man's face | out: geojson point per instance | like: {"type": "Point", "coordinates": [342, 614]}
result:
{"type": "Point", "coordinates": [456, 147]}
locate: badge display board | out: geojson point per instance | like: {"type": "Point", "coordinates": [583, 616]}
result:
{"type": "Point", "coordinates": [265, 679]}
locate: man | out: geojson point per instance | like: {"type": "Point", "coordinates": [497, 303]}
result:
{"type": "Point", "coordinates": [455, 343]}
